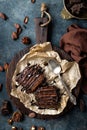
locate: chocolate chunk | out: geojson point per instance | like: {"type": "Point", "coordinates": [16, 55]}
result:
{"type": "Point", "coordinates": [14, 35]}
{"type": "Point", "coordinates": [17, 116]}
{"type": "Point", "coordinates": [26, 40]}
{"type": "Point", "coordinates": [6, 108]}
{"type": "Point", "coordinates": [3, 16]}
{"type": "Point", "coordinates": [26, 19]}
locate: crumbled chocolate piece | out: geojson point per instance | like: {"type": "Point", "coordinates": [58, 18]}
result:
{"type": "Point", "coordinates": [41, 128]}
{"type": "Point", "coordinates": [33, 1]}
{"type": "Point", "coordinates": [26, 40]}
{"type": "Point", "coordinates": [14, 128]}
{"type": "Point", "coordinates": [6, 65]}
{"type": "Point", "coordinates": [1, 87]}
{"type": "Point", "coordinates": [6, 108]}
{"type": "Point", "coordinates": [17, 116]}
{"type": "Point", "coordinates": [26, 19]}
{"type": "Point", "coordinates": [10, 121]}
{"type": "Point", "coordinates": [3, 16]}
{"type": "Point", "coordinates": [1, 68]}
{"type": "Point", "coordinates": [32, 114]}
{"type": "Point", "coordinates": [82, 105]}
{"type": "Point", "coordinates": [33, 128]}
{"type": "Point", "coordinates": [14, 35]}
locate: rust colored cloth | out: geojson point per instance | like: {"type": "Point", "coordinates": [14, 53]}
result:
{"type": "Point", "coordinates": [74, 42]}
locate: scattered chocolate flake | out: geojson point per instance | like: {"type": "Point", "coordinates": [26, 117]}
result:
{"type": "Point", "coordinates": [10, 121]}
{"type": "Point", "coordinates": [32, 114]}
{"type": "Point", "coordinates": [82, 105]}
{"type": "Point", "coordinates": [17, 116]}
{"type": "Point", "coordinates": [1, 87]}
{"type": "Point", "coordinates": [14, 35]}
{"type": "Point", "coordinates": [14, 128]}
{"type": "Point", "coordinates": [41, 128]}
{"type": "Point", "coordinates": [3, 16]}
{"type": "Point", "coordinates": [33, 1]}
{"type": "Point", "coordinates": [6, 108]}
{"type": "Point", "coordinates": [6, 65]}
{"type": "Point", "coordinates": [26, 19]}
{"type": "Point", "coordinates": [33, 128]}
{"type": "Point", "coordinates": [26, 40]}
{"type": "Point", "coordinates": [1, 68]}
{"type": "Point", "coordinates": [17, 25]}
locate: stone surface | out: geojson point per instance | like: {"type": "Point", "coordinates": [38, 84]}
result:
{"type": "Point", "coordinates": [16, 10]}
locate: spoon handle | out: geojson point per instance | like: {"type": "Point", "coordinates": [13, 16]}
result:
{"type": "Point", "coordinates": [71, 96]}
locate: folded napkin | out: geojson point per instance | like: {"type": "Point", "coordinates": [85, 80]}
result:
{"type": "Point", "coordinates": [74, 42]}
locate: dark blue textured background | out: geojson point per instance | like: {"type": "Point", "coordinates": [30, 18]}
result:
{"type": "Point", "coordinates": [16, 10]}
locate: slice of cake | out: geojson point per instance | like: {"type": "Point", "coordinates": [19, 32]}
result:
{"type": "Point", "coordinates": [47, 97]}
{"type": "Point", "coordinates": [30, 78]}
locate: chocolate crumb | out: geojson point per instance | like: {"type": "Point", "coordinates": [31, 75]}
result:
{"type": "Point", "coordinates": [6, 108]}
{"type": "Point", "coordinates": [3, 16]}
{"type": "Point", "coordinates": [26, 19]}
{"type": "Point", "coordinates": [33, 1]}
{"type": "Point", "coordinates": [26, 40]}
{"type": "Point", "coordinates": [17, 116]}
{"type": "Point", "coordinates": [14, 35]}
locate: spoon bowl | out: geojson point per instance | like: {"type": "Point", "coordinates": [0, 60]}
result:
{"type": "Point", "coordinates": [57, 70]}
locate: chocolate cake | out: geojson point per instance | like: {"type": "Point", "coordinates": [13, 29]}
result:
{"type": "Point", "coordinates": [47, 97]}
{"type": "Point", "coordinates": [33, 86]}
{"type": "Point", "coordinates": [30, 78]}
